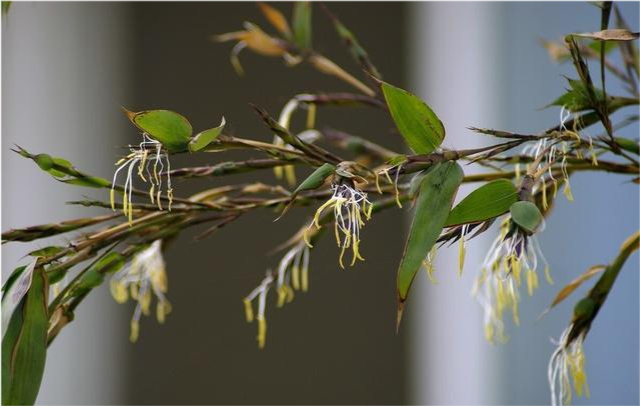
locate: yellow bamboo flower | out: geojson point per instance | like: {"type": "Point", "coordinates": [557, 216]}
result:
{"type": "Point", "coordinates": [566, 365]}
{"type": "Point", "coordinates": [147, 158]}
{"type": "Point", "coordinates": [512, 256]}
{"type": "Point", "coordinates": [142, 278]}
{"type": "Point", "coordinates": [261, 294]}
{"type": "Point", "coordinates": [351, 208]}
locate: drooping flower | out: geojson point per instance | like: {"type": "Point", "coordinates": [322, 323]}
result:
{"type": "Point", "coordinates": [292, 275]}
{"type": "Point", "coordinates": [397, 166]}
{"type": "Point", "coordinates": [513, 254]}
{"type": "Point", "coordinates": [148, 161]}
{"type": "Point", "coordinates": [142, 278]}
{"type": "Point", "coordinates": [566, 365]}
{"type": "Point", "coordinates": [350, 209]}
{"type": "Point", "coordinates": [549, 150]}
{"type": "Point", "coordinates": [260, 293]}
{"type": "Point", "coordinates": [293, 272]}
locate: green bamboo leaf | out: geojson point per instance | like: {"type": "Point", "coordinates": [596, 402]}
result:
{"type": "Point", "coordinates": [63, 171]}
{"type": "Point", "coordinates": [577, 98]}
{"type": "Point", "coordinates": [169, 128]}
{"type": "Point", "coordinates": [46, 251]}
{"type": "Point", "coordinates": [488, 201]}
{"type": "Point", "coordinates": [15, 289]}
{"type": "Point", "coordinates": [628, 145]}
{"type": "Point", "coordinates": [10, 337]}
{"type": "Point", "coordinates": [313, 181]}
{"type": "Point", "coordinates": [6, 5]}
{"type": "Point", "coordinates": [436, 194]}
{"type": "Point", "coordinates": [302, 24]}
{"type": "Point", "coordinates": [416, 182]}
{"type": "Point", "coordinates": [24, 346]}
{"type": "Point", "coordinates": [94, 276]}
{"type": "Point", "coordinates": [88, 181]}
{"type": "Point", "coordinates": [206, 137]}
{"type": "Point", "coordinates": [316, 179]}
{"type": "Point", "coordinates": [421, 128]}
{"type": "Point", "coordinates": [526, 215]}
{"type": "Point", "coordinates": [357, 51]}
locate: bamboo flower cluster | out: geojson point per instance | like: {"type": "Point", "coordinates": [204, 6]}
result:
{"type": "Point", "coordinates": [520, 175]}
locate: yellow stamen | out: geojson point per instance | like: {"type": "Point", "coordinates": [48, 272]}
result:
{"type": "Point", "coordinates": [305, 279]}
{"type": "Point", "coordinates": [547, 275]}
{"type": "Point", "coordinates": [567, 190]}
{"type": "Point", "coordinates": [262, 332]}
{"type": "Point", "coordinates": [160, 312]}
{"type": "Point", "coordinates": [170, 197]}
{"type": "Point", "coordinates": [119, 291]}
{"type": "Point", "coordinates": [461, 255]}
{"type": "Point", "coordinates": [282, 295]}
{"type": "Point", "coordinates": [152, 194]}
{"type": "Point", "coordinates": [290, 173]}
{"type": "Point", "coordinates": [145, 302]}
{"type": "Point", "coordinates": [112, 199]}
{"type": "Point", "coordinates": [295, 277]}
{"type": "Point", "coordinates": [378, 188]}
{"type": "Point", "coordinates": [594, 157]}
{"type": "Point", "coordinates": [141, 165]}
{"type": "Point", "coordinates": [135, 331]}
{"type": "Point", "coordinates": [311, 116]}
{"type": "Point", "coordinates": [248, 310]}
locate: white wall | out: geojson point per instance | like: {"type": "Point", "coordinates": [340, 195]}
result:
{"type": "Point", "coordinates": [65, 70]}
{"type": "Point", "coordinates": [454, 70]}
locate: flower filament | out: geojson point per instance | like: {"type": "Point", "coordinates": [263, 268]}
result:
{"type": "Point", "coordinates": [350, 208]}
{"type": "Point", "coordinates": [143, 277]}
{"type": "Point", "coordinates": [148, 159]}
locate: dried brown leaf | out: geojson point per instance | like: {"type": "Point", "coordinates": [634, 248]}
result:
{"type": "Point", "coordinates": [617, 34]}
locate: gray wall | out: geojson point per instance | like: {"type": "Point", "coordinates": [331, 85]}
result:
{"type": "Point", "coordinates": [580, 234]}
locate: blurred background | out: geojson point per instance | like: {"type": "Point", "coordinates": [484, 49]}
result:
{"type": "Point", "coordinates": [68, 67]}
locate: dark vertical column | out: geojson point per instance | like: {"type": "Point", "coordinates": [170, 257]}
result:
{"type": "Point", "coordinates": [335, 344]}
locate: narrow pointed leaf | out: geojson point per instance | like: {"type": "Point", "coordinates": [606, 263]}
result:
{"type": "Point", "coordinates": [313, 181]}
{"type": "Point", "coordinates": [421, 128]}
{"type": "Point", "coordinates": [488, 201]}
{"type": "Point", "coordinates": [578, 97]}
{"type": "Point", "coordinates": [628, 145]}
{"type": "Point", "coordinates": [169, 128]}
{"type": "Point", "coordinates": [94, 276]}
{"type": "Point", "coordinates": [526, 215]}
{"type": "Point", "coordinates": [10, 339]}
{"type": "Point", "coordinates": [357, 51]}
{"type": "Point", "coordinates": [24, 346]}
{"type": "Point", "coordinates": [15, 289]}
{"type": "Point", "coordinates": [302, 24]}
{"type": "Point", "coordinates": [206, 137]}
{"type": "Point", "coordinates": [63, 171]}
{"type": "Point", "coordinates": [435, 197]}
{"type": "Point", "coordinates": [316, 179]}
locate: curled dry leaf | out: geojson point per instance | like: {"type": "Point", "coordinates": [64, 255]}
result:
{"type": "Point", "coordinates": [574, 284]}
{"type": "Point", "coordinates": [610, 35]}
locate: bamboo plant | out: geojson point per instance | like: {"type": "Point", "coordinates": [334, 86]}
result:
{"type": "Point", "coordinates": [349, 181]}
